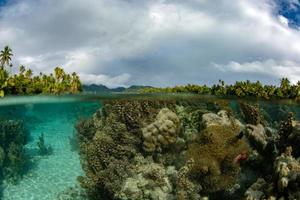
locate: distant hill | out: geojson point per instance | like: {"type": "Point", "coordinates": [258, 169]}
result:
{"type": "Point", "coordinates": [135, 88]}
{"type": "Point", "coordinates": [103, 89]}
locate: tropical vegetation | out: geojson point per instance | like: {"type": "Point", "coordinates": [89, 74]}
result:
{"type": "Point", "coordinates": [286, 90]}
{"type": "Point", "coordinates": [24, 82]}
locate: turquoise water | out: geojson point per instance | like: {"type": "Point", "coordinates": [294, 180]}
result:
{"type": "Point", "coordinates": [51, 174]}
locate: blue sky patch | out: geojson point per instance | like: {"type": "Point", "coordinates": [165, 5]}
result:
{"type": "Point", "coordinates": [2, 2]}
{"type": "Point", "coordinates": [291, 10]}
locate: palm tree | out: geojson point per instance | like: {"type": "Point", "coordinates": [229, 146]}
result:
{"type": "Point", "coordinates": [5, 57]}
{"type": "Point", "coordinates": [75, 83]}
{"type": "Point", "coordinates": [59, 73]}
{"type": "Point", "coordinates": [285, 87]}
{"type": "Point", "coordinates": [22, 69]}
{"type": "Point", "coordinates": [28, 73]}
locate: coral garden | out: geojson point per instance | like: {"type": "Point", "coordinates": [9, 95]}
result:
{"type": "Point", "coordinates": [159, 149]}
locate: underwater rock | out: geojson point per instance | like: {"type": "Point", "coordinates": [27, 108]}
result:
{"type": "Point", "coordinates": [162, 132]}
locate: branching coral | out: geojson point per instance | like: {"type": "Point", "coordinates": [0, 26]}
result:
{"type": "Point", "coordinates": [186, 189]}
{"type": "Point", "coordinates": [106, 164]}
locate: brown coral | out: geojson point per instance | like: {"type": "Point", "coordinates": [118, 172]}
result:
{"type": "Point", "coordinates": [162, 132]}
{"type": "Point", "coordinates": [251, 113]}
{"type": "Point", "coordinates": [110, 141]}
{"type": "Point", "coordinates": [214, 155]}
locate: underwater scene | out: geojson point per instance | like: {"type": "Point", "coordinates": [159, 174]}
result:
{"type": "Point", "coordinates": [126, 147]}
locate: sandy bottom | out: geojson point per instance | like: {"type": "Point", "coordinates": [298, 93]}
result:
{"type": "Point", "coordinates": [49, 175]}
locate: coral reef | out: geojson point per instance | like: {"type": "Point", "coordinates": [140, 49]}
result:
{"type": "Point", "coordinates": [150, 181]}
{"type": "Point", "coordinates": [257, 136]}
{"type": "Point", "coordinates": [186, 189]}
{"type": "Point", "coordinates": [257, 190]}
{"type": "Point", "coordinates": [251, 113]}
{"type": "Point", "coordinates": [217, 152]}
{"type": "Point", "coordinates": [13, 137]}
{"type": "Point", "coordinates": [285, 182]}
{"type": "Point", "coordinates": [107, 148]}
{"type": "Point", "coordinates": [157, 149]}
{"type": "Point", "coordinates": [281, 171]}
{"type": "Point", "coordinates": [115, 155]}
{"type": "Point", "coordinates": [162, 132]}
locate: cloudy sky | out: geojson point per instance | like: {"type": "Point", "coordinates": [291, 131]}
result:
{"type": "Point", "coordinates": [156, 42]}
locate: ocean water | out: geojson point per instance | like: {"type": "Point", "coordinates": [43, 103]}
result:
{"type": "Point", "coordinates": [48, 175]}
{"type": "Point", "coordinates": [55, 117]}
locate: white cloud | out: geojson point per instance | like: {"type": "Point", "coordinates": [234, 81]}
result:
{"type": "Point", "coordinates": [109, 81]}
{"type": "Point", "coordinates": [270, 67]}
{"type": "Point", "coordinates": [157, 42]}
{"type": "Point", "coordinates": [283, 20]}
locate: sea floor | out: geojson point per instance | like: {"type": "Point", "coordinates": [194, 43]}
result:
{"type": "Point", "coordinates": [47, 176]}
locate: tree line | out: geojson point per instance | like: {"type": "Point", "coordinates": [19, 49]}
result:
{"type": "Point", "coordinates": [25, 83]}
{"type": "Point", "coordinates": [285, 90]}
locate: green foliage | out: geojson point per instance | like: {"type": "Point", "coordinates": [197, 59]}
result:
{"type": "Point", "coordinates": [5, 57]}
{"type": "Point", "coordinates": [239, 89]}
{"type": "Point", "coordinates": [25, 83]}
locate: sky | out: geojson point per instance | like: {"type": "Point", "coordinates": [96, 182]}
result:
{"type": "Point", "coordinates": [156, 42]}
